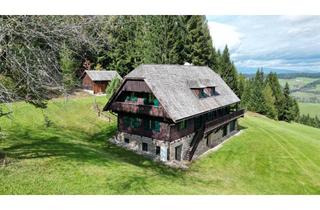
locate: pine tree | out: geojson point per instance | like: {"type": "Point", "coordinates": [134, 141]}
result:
{"type": "Point", "coordinates": [124, 51]}
{"type": "Point", "coordinates": [257, 100]}
{"type": "Point", "coordinates": [198, 44]}
{"type": "Point", "coordinates": [295, 109]}
{"type": "Point", "coordinates": [246, 101]}
{"type": "Point", "coordinates": [164, 40]}
{"type": "Point", "coordinates": [269, 100]}
{"type": "Point", "coordinates": [68, 68]}
{"type": "Point", "coordinates": [273, 82]}
{"type": "Point", "coordinates": [228, 71]}
{"type": "Point", "coordinates": [288, 103]}
{"type": "Point", "coordinates": [241, 85]}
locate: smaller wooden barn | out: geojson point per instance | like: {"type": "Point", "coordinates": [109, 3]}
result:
{"type": "Point", "coordinates": [97, 81]}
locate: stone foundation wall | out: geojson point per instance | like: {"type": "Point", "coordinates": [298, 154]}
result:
{"type": "Point", "coordinates": [167, 149]}
{"type": "Point", "coordinates": [184, 142]}
{"type": "Point", "coordinates": [213, 139]}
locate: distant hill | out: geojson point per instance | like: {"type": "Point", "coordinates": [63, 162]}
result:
{"type": "Point", "coordinates": [282, 73]}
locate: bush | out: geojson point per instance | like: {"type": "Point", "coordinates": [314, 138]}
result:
{"type": "Point", "coordinates": [113, 86]}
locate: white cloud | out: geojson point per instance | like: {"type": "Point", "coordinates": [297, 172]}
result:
{"type": "Point", "coordinates": [277, 42]}
{"type": "Point", "coordinates": [223, 34]}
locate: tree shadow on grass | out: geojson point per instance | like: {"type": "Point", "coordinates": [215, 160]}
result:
{"type": "Point", "coordinates": [72, 144]}
{"type": "Point", "coordinates": [241, 127]}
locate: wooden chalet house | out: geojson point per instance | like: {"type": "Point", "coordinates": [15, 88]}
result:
{"type": "Point", "coordinates": [174, 112]}
{"type": "Point", "coordinates": [97, 81]}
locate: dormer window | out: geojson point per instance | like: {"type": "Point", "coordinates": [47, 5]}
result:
{"type": "Point", "coordinates": [202, 88]}
{"type": "Point", "coordinates": [202, 93]}
{"type": "Point", "coordinates": [212, 91]}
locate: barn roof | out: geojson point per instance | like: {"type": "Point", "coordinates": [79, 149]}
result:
{"type": "Point", "coordinates": [102, 75]}
{"type": "Point", "coordinates": [172, 85]}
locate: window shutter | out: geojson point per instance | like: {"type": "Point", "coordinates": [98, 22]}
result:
{"type": "Point", "coordinates": [146, 123]}
{"type": "Point", "coordinates": [157, 126]}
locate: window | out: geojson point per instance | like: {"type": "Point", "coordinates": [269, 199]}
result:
{"type": "Point", "coordinates": [225, 131]}
{"type": "Point", "coordinates": [144, 147]}
{"type": "Point", "coordinates": [157, 150]}
{"type": "Point", "coordinates": [132, 122]}
{"type": "Point", "coordinates": [232, 126]}
{"type": "Point", "coordinates": [126, 141]}
{"type": "Point", "coordinates": [131, 97]}
{"type": "Point", "coordinates": [149, 99]}
{"type": "Point", "coordinates": [182, 125]}
{"type": "Point", "coordinates": [135, 122]}
{"type": "Point", "coordinates": [213, 91]}
{"type": "Point", "coordinates": [178, 150]}
{"type": "Point", "coordinates": [151, 125]}
{"type": "Point", "coordinates": [202, 93]}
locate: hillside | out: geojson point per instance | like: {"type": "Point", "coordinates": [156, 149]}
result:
{"type": "Point", "coordinates": [304, 89]}
{"type": "Point", "coordinates": [72, 157]}
{"type": "Point", "coordinates": [313, 109]}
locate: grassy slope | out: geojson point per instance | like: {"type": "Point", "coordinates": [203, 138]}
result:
{"type": "Point", "coordinates": [312, 109]}
{"type": "Point", "coordinates": [71, 157]}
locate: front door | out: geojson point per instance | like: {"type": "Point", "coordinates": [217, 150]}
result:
{"type": "Point", "coordinates": [178, 150]}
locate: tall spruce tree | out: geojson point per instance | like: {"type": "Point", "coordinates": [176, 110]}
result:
{"type": "Point", "coordinates": [228, 71]}
{"type": "Point", "coordinates": [288, 104]}
{"type": "Point", "coordinates": [269, 100]}
{"type": "Point", "coordinates": [241, 85]}
{"type": "Point", "coordinates": [273, 82]}
{"type": "Point", "coordinates": [124, 50]}
{"type": "Point", "coordinates": [198, 43]}
{"type": "Point", "coordinates": [257, 100]}
{"type": "Point", "coordinates": [164, 40]}
{"type": "Point", "coordinates": [246, 97]}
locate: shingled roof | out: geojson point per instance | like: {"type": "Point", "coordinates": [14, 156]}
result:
{"type": "Point", "coordinates": [171, 85]}
{"type": "Point", "coordinates": [102, 75]}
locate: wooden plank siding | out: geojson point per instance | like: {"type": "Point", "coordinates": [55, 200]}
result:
{"type": "Point", "coordinates": [175, 133]}
{"type": "Point", "coordinates": [163, 134]}
{"type": "Point", "coordinates": [87, 83]}
{"type": "Point", "coordinates": [95, 86]}
{"type": "Point", "coordinates": [135, 86]}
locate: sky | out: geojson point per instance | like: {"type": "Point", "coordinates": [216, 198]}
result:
{"type": "Point", "coordinates": [277, 43]}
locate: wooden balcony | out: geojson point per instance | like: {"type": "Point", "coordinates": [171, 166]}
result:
{"type": "Point", "coordinates": [213, 124]}
{"type": "Point", "coordinates": [138, 109]}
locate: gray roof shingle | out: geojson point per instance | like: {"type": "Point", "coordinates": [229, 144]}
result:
{"type": "Point", "coordinates": [102, 75]}
{"type": "Point", "coordinates": [172, 84]}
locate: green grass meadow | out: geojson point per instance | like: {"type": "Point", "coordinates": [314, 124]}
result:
{"type": "Point", "coordinates": [72, 156]}
{"type": "Point", "coordinates": [298, 82]}
{"type": "Point", "coordinates": [313, 109]}
{"type": "Point", "coordinates": [304, 89]}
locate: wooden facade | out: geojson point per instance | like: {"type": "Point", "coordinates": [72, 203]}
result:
{"type": "Point", "coordinates": [95, 86]}
{"type": "Point", "coordinates": [178, 110]}
{"type": "Point", "coordinates": [169, 130]}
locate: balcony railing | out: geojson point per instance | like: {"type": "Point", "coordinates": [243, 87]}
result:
{"type": "Point", "coordinates": [213, 124]}
{"type": "Point", "coordinates": [138, 109]}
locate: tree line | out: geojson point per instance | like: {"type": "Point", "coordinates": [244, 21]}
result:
{"type": "Point", "coordinates": [308, 120]}
{"type": "Point", "coordinates": [44, 54]}
{"type": "Point", "coordinates": [41, 55]}
{"type": "Point", "coordinates": [264, 95]}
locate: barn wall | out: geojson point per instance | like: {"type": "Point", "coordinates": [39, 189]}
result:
{"type": "Point", "coordinates": [87, 83]}
{"type": "Point", "coordinates": [100, 86]}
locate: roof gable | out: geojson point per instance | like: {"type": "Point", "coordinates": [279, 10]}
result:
{"type": "Point", "coordinates": [102, 75]}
